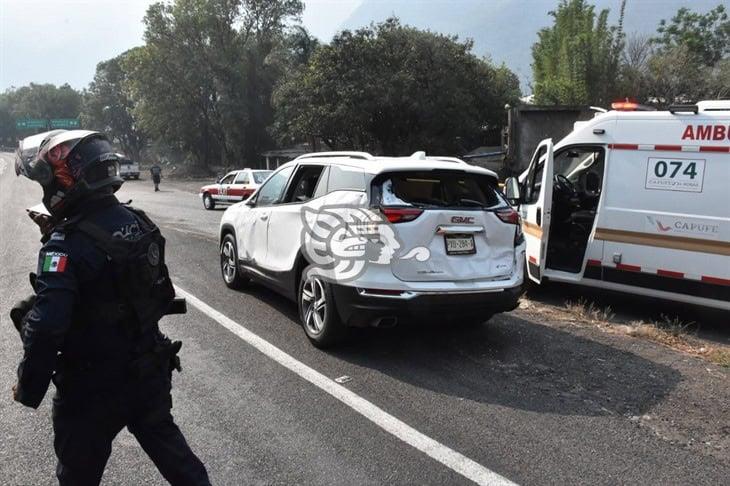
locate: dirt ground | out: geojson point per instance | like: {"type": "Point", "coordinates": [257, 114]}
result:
{"type": "Point", "coordinates": [696, 413]}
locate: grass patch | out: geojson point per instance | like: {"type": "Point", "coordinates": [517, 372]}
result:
{"type": "Point", "coordinates": [720, 357]}
{"type": "Point", "coordinates": [674, 326]}
{"type": "Point", "coordinates": [669, 331]}
{"type": "Point", "coordinates": [584, 309]}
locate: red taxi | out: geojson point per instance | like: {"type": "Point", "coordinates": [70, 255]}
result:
{"type": "Point", "coordinates": [233, 187]}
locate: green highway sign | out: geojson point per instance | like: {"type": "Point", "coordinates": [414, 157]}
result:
{"type": "Point", "coordinates": [65, 123]}
{"type": "Point", "coordinates": [30, 123]}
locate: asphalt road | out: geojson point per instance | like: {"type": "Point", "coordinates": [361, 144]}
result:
{"type": "Point", "coordinates": [531, 401]}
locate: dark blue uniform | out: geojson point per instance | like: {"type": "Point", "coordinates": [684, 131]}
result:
{"type": "Point", "coordinates": [76, 336]}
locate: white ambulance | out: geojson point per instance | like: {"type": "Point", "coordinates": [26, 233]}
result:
{"type": "Point", "coordinates": [634, 201]}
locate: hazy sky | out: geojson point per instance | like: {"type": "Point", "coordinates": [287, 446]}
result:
{"type": "Point", "coordinates": [58, 41]}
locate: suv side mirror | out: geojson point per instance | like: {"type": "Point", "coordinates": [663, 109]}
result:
{"type": "Point", "coordinates": [512, 190]}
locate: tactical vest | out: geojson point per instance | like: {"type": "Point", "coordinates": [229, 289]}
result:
{"type": "Point", "coordinates": [141, 277]}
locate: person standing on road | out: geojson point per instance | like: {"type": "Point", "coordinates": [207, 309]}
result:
{"type": "Point", "coordinates": [92, 325]}
{"type": "Point", "coordinates": [156, 173]}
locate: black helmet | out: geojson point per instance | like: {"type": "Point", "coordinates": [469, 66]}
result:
{"type": "Point", "coordinates": [70, 165]}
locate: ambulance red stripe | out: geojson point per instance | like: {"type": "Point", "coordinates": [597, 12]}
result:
{"type": "Point", "coordinates": [669, 273]}
{"type": "Point", "coordinates": [714, 149]}
{"type": "Point", "coordinates": [715, 280]}
{"type": "Point", "coordinates": [624, 146]}
{"type": "Point", "coordinates": [670, 148]}
{"type": "Point", "coordinates": [663, 273]}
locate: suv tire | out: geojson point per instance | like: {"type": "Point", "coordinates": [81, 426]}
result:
{"type": "Point", "coordinates": [229, 264]}
{"type": "Point", "coordinates": [318, 311]}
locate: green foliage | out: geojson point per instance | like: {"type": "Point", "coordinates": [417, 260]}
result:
{"type": "Point", "coordinates": [43, 101]}
{"type": "Point", "coordinates": [203, 81]}
{"type": "Point", "coordinates": [394, 89]}
{"type": "Point", "coordinates": [706, 36]}
{"type": "Point", "coordinates": [107, 106]}
{"type": "Point", "coordinates": [576, 61]}
{"type": "Point", "coordinates": [688, 61]}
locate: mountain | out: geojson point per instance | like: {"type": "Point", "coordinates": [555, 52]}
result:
{"type": "Point", "coordinates": [505, 30]}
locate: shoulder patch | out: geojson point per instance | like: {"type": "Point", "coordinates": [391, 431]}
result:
{"type": "Point", "coordinates": [54, 262]}
{"type": "Point", "coordinates": [57, 236]}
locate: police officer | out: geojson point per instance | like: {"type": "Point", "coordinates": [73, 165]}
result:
{"type": "Point", "coordinates": [101, 287]}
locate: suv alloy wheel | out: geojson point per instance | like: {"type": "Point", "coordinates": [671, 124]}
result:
{"type": "Point", "coordinates": [317, 310]}
{"type": "Point", "coordinates": [229, 264]}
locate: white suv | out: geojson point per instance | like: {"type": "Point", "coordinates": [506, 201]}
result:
{"type": "Point", "coordinates": [358, 240]}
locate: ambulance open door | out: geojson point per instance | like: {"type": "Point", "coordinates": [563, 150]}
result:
{"type": "Point", "coordinates": [536, 207]}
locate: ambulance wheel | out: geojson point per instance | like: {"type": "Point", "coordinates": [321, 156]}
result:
{"type": "Point", "coordinates": [229, 264]}
{"type": "Point", "coordinates": [208, 202]}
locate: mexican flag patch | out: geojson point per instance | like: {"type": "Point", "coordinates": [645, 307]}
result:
{"type": "Point", "coordinates": [54, 262]}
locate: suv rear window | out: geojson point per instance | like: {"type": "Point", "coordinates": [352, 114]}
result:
{"type": "Point", "coordinates": [437, 189]}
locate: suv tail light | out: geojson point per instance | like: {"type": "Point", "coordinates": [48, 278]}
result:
{"type": "Point", "coordinates": [401, 215]}
{"type": "Point", "coordinates": [509, 216]}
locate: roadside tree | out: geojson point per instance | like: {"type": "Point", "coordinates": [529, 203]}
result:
{"type": "Point", "coordinates": [706, 36]}
{"type": "Point", "coordinates": [107, 107]}
{"type": "Point", "coordinates": [688, 61]}
{"type": "Point", "coordinates": [394, 89]}
{"type": "Point", "coordinates": [202, 82]}
{"type": "Point", "coordinates": [576, 61]}
{"type": "Point", "coordinates": [43, 101]}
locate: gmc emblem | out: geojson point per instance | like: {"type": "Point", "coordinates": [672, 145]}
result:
{"type": "Point", "coordinates": [462, 220]}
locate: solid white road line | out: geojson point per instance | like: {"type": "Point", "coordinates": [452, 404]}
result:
{"type": "Point", "coordinates": [443, 454]}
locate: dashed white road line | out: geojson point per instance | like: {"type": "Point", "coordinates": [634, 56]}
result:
{"type": "Point", "coordinates": [448, 457]}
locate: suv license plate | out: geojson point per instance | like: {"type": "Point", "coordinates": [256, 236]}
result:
{"type": "Point", "coordinates": [460, 244]}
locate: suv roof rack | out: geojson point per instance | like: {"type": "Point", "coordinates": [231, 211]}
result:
{"type": "Point", "coordinates": [421, 155]}
{"type": "Point", "coordinates": [446, 159]}
{"type": "Point", "coordinates": [351, 155]}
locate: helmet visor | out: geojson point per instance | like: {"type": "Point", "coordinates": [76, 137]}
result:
{"type": "Point", "coordinates": [26, 157]}
{"type": "Point", "coordinates": [52, 159]}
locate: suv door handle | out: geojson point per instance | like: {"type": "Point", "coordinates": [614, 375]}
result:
{"type": "Point", "coordinates": [538, 217]}
{"type": "Point", "coordinates": [264, 217]}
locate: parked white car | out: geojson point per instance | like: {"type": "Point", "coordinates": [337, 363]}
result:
{"type": "Point", "coordinates": [128, 168]}
{"type": "Point", "coordinates": [358, 240]}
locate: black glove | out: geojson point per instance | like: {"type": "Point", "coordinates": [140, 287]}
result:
{"type": "Point", "coordinates": [20, 310]}
{"type": "Point", "coordinates": [174, 358]}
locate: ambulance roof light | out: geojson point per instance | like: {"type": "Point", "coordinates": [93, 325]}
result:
{"type": "Point", "coordinates": [627, 105]}
{"type": "Point", "coordinates": [694, 109]}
